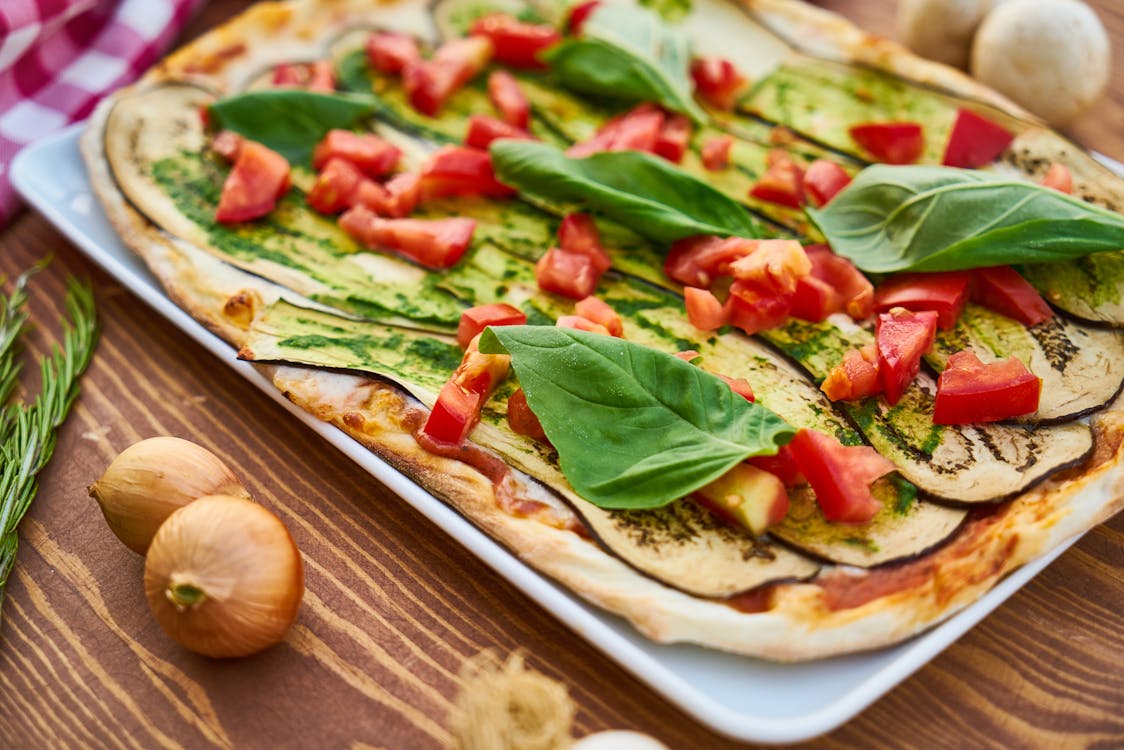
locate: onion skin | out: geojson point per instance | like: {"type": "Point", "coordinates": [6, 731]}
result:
{"type": "Point", "coordinates": [151, 479]}
{"type": "Point", "coordinates": [224, 577]}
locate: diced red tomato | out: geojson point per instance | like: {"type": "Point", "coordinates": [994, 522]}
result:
{"type": "Point", "coordinates": [430, 83]}
{"type": "Point", "coordinates": [739, 386]}
{"type": "Point", "coordinates": [776, 264]}
{"type": "Point", "coordinates": [396, 199]}
{"type": "Point", "coordinates": [673, 138]}
{"type": "Point", "coordinates": [598, 310]}
{"type": "Point", "coordinates": [782, 465]}
{"type": "Point", "coordinates": [903, 337]}
{"type": "Point", "coordinates": [1004, 290]}
{"type": "Point", "coordinates": [455, 170]}
{"type": "Point", "coordinates": [840, 475]}
{"type": "Point", "coordinates": [944, 292]}
{"type": "Point", "coordinates": [823, 180]}
{"type": "Point", "coordinates": [392, 52]}
{"type": "Point", "coordinates": [521, 419]}
{"type": "Point", "coordinates": [517, 43]}
{"type": "Point", "coordinates": [698, 261]}
{"type": "Point", "coordinates": [814, 299]}
{"type": "Point", "coordinates": [462, 398]}
{"type": "Point", "coordinates": [259, 177]}
{"type": "Point", "coordinates": [578, 234]}
{"type": "Point", "coordinates": [580, 323]}
{"type": "Point", "coordinates": [227, 144]}
{"type": "Point", "coordinates": [717, 81]}
{"type": "Point", "coordinates": [482, 130]}
{"type": "Point", "coordinates": [572, 275]}
{"type": "Point", "coordinates": [891, 142]}
{"type": "Point", "coordinates": [970, 391]}
{"type": "Point", "coordinates": [636, 130]}
{"type": "Point", "coordinates": [974, 141]}
{"type": "Point", "coordinates": [834, 285]}
{"type": "Point", "coordinates": [755, 307]}
{"type": "Point", "coordinates": [371, 154]}
{"type": "Point", "coordinates": [336, 187]}
{"type": "Point", "coordinates": [476, 319]}
{"type": "Point", "coordinates": [704, 311]}
{"type": "Point", "coordinates": [782, 183]}
{"type": "Point", "coordinates": [716, 152]}
{"type": "Point", "coordinates": [316, 76]}
{"type": "Point", "coordinates": [1059, 178]}
{"type": "Point", "coordinates": [433, 243]}
{"type": "Point", "coordinates": [509, 100]}
{"type": "Point", "coordinates": [579, 13]}
{"type": "Point", "coordinates": [855, 377]}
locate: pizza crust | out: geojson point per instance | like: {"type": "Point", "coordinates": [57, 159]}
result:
{"type": "Point", "coordinates": [799, 620]}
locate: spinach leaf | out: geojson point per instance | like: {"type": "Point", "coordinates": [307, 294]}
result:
{"type": "Point", "coordinates": [634, 427]}
{"type": "Point", "coordinates": [290, 121]}
{"type": "Point", "coordinates": [641, 191]}
{"type": "Point", "coordinates": [892, 218]}
{"type": "Point", "coordinates": [628, 53]}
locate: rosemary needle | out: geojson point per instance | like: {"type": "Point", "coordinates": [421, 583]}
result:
{"type": "Point", "coordinates": [28, 431]}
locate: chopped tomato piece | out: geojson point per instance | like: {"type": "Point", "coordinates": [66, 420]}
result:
{"type": "Point", "coordinates": [814, 299]}
{"type": "Point", "coordinates": [227, 144]}
{"type": "Point", "coordinates": [371, 154]}
{"type": "Point", "coordinates": [572, 275]}
{"type": "Point", "coordinates": [579, 13]}
{"type": "Point", "coordinates": [580, 323]}
{"type": "Point", "coordinates": [823, 180]}
{"type": "Point", "coordinates": [974, 141]}
{"type": "Point", "coordinates": [891, 142]}
{"type": "Point", "coordinates": [482, 130]}
{"type": "Point", "coordinates": [516, 43]}
{"type": "Point", "coordinates": [834, 285]}
{"type": "Point", "coordinates": [396, 199]}
{"type": "Point", "coordinates": [1004, 290]}
{"type": "Point", "coordinates": [259, 177]}
{"type": "Point", "coordinates": [462, 398]}
{"type": "Point", "coordinates": [739, 386]}
{"type": "Point", "coordinates": [782, 465]}
{"type": "Point", "coordinates": [717, 81]}
{"type": "Point", "coordinates": [636, 130]}
{"type": "Point", "coordinates": [433, 243]}
{"type": "Point", "coordinates": [704, 311]}
{"type": "Point", "coordinates": [782, 183]}
{"type": "Point", "coordinates": [599, 311]}
{"type": "Point", "coordinates": [392, 52]}
{"type": "Point", "coordinates": [1059, 178]}
{"type": "Point", "coordinates": [336, 187]}
{"type": "Point", "coordinates": [716, 152]}
{"type": "Point", "coordinates": [754, 307]}
{"type": "Point", "coordinates": [430, 83]}
{"type": "Point", "coordinates": [674, 135]}
{"type": "Point", "coordinates": [746, 497]}
{"type": "Point", "coordinates": [314, 76]}
{"type": "Point", "coordinates": [903, 337]}
{"type": "Point", "coordinates": [476, 319]}
{"type": "Point", "coordinates": [509, 100]}
{"type": "Point", "coordinates": [970, 391]}
{"type": "Point", "coordinates": [855, 377]}
{"type": "Point", "coordinates": [840, 475]}
{"type": "Point", "coordinates": [944, 292]}
{"type": "Point", "coordinates": [578, 234]}
{"type": "Point", "coordinates": [521, 419]}
{"type": "Point", "coordinates": [698, 261]}
{"type": "Point", "coordinates": [777, 264]}
{"type": "Point", "coordinates": [454, 170]}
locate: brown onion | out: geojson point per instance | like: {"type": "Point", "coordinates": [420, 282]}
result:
{"type": "Point", "coordinates": [224, 577]}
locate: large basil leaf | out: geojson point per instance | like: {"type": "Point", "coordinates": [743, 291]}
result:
{"type": "Point", "coordinates": [634, 427]}
{"type": "Point", "coordinates": [628, 53]}
{"type": "Point", "coordinates": [290, 121]}
{"type": "Point", "coordinates": [641, 191]}
{"type": "Point", "coordinates": [892, 218]}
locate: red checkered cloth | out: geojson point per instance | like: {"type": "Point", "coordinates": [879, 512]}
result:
{"type": "Point", "coordinates": [59, 57]}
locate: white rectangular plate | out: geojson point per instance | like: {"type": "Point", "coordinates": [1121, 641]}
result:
{"type": "Point", "coordinates": [744, 698]}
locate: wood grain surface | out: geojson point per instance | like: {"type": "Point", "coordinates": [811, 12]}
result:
{"type": "Point", "coordinates": [393, 606]}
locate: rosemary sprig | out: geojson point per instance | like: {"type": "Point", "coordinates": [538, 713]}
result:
{"type": "Point", "coordinates": [29, 430]}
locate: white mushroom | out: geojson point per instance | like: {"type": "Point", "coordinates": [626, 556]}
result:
{"type": "Point", "coordinates": [941, 30]}
{"type": "Point", "coordinates": [1050, 56]}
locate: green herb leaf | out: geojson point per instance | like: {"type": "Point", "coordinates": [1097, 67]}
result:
{"type": "Point", "coordinates": [942, 219]}
{"type": "Point", "coordinates": [634, 427]}
{"type": "Point", "coordinates": [628, 53]}
{"type": "Point", "coordinates": [641, 191]}
{"type": "Point", "coordinates": [290, 121]}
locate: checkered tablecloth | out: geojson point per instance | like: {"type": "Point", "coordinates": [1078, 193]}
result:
{"type": "Point", "coordinates": [59, 57]}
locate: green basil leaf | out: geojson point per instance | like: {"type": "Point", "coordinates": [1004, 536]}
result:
{"type": "Point", "coordinates": [892, 218]}
{"type": "Point", "coordinates": [628, 53]}
{"type": "Point", "coordinates": [641, 191]}
{"type": "Point", "coordinates": [290, 121]}
{"type": "Point", "coordinates": [634, 427]}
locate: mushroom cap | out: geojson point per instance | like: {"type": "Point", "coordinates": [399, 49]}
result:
{"type": "Point", "coordinates": [941, 30]}
{"type": "Point", "coordinates": [1050, 56]}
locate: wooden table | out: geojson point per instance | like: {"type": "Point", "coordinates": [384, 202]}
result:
{"type": "Point", "coordinates": [393, 606]}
